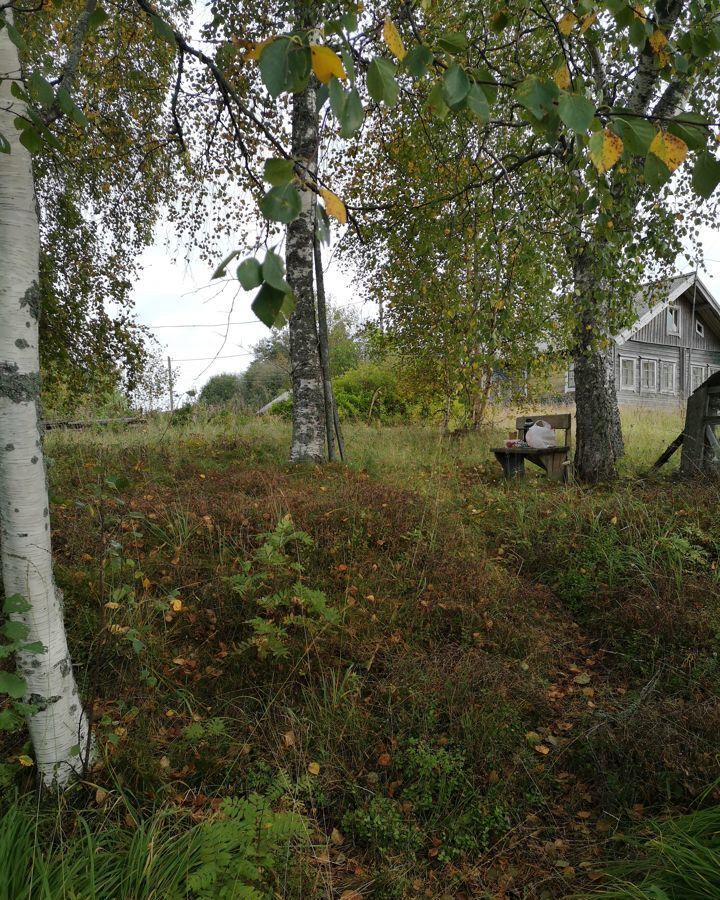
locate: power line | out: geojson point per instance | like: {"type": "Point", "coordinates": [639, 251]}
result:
{"type": "Point", "coordinates": [213, 358]}
{"type": "Point", "coordinates": [207, 324]}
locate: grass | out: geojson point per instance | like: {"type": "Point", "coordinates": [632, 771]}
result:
{"type": "Point", "coordinates": [465, 687]}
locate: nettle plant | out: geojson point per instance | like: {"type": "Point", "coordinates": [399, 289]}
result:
{"type": "Point", "coordinates": [289, 613]}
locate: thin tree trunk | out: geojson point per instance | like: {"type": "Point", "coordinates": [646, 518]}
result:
{"type": "Point", "coordinates": [324, 350]}
{"type": "Point", "coordinates": [59, 729]}
{"type": "Point", "coordinates": [599, 443]}
{"type": "Point", "coordinates": [308, 437]}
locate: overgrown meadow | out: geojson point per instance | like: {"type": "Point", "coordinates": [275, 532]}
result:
{"type": "Point", "coordinates": [401, 678]}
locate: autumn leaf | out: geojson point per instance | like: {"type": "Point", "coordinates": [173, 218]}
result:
{"type": "Point", "coordinates": [334, 205]}
{"type": "Point", "coordinates": [658, 42]}
{"type": "Point", "coordinates": [567, 23]}
{"type": "Point", "coordinates": [605, 150]}
{"type": "Point", "coordinates": [289, 739]}
{"type": "Point", "coordinates": [589, 20]}
{"type": "Point", "coordinates": [392, 38]}
{"type": "Point", "coordinates": [561, 77]}
{"type": "Point", "coordinates": [25, 760]}
{"type": "Point", "coordinates": [314, 768]}
{"type": "Point", "coordinates": [384, 759]}
{"type": "Point", "coordinates": [176, 604]}
{"type": "Point", "coordinates": [326, 63]}
{"type": "Point", "coordinates": [670, 149]}
{"type": "Point", "coordinates": [255, 51]}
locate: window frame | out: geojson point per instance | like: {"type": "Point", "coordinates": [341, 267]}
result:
{"type": "Point", "coordinates": [633, 360]}
{"type": "Point", "coordinates": [673, 368]}
{"type": "Point", "coordinates": [703, 368]}
{"type": "Point", "coordinates": [570, 379]}
{"type": "Point", "coordinates": [673, 311]}
{"type": "Point", "coordinates": [649, 361]}
{"type": "Point", "coordinates": [699, 328]}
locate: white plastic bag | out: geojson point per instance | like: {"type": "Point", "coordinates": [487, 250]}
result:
{"type": "Point", "coordinates": [540, 435]}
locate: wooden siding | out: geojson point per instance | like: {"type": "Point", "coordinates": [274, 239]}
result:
{"type": "Point", "coordinates": [655, 332]}
{"type": "Point", "coordinates": [682, 358]}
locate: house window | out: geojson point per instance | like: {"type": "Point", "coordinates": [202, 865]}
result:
{"type": "Point", "coordinates": [627, 374]}
{"type": "Point", "coordinates": [673, 320]}
{"type": "Point", "coordinates": [700, 328]}
{"type": "Point", "coordinates": [667, 377]}
{"type": "Point", "coordinates": [648, 375]}
{"type": "Point", "coordinates": [570, 379]}
{"type": "Point", "coordinates": [697, 376]}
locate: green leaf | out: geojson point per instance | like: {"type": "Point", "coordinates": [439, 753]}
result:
{"type": "Point", "coordinates": [278, 172]}
{"type": "Point", "coordinates": [477, 104]}
{"type": "Point", "coordinates": [381, 83]}
{"type": "Point", "coordinates": [298, 67]}
{"type": "Point", "coordinates": [249, 273]}
{"type": "Point", "coordinates": [273, 307]}
{"type": "Point", "coordinates": [281, 204]}
{"type": "Point", "coordinates": [436, 103]}
{"type": "Point", "coordinates": [338, 97]}
{"type": "Point", "coordinates": [487, 82]}
{"type": "Point", "coordinates": [273, 272]}
{"type": "Point", "coordinates": [500, 21]}
{"type": "Point", "coordinates": [706, 175]}
{"type": "Point", "coordinates": [14, 630]}
{"type": "Point", "coordinates": [19, 93]}
{"type": "Point", "coordinates": [352, 114]}
{"type": "Point", "coordinates": [31, 140]}
{"type": "Point", "coordinates": [162, 30]}
{"type": "Point", "coordinates": [692, 128]}
{"type": "Point", "coordinates": [35, 647]}
{"type": "Point", "coordinates": [349, 21]}
{"type": "Point", "coordinates": [348, 63]}
{"type": "Point", "coordinates": [536, 96]}
{"type": "Point", "coordinates": [221, 270]}
{"type": "Point", "coordinates": [417, 60]}
{"type": "Point", "coordinates": [15, 603]}
{"type": "Point", "coordinates": [12, 685]}
{"type": "Point", "coordinates": [637, 33]}
{"type": "Point", "coordinates": [636, 134]}
{"type": "Point", "coordinates": [41, 90]}
{"type": "Point", "coordinates": [576, 112]}
{"type": "Point", "coordinates": [9, 720]}
{"type": "Point", "coordinates": [322, 225]}
{"type": "Point", "coordinates": [456, 86]}
{"type": "Point", "coordinates": [4, 144]}
{"type": "Point", "coordinates": [452, 41]}
{"type": "Point", "coordinates": [656, 172]}
{"type": "Point", "coordinates": [15, 36]}
{"type": "Point", "coordinates": [97, 17]}
{"type": "Point", "coordinates": [321, 96]}
{"type": "Point", "coordinates": [274, 66]}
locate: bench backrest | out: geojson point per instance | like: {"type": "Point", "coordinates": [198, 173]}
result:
{"type": "Point", "coordinates": [561, 422]}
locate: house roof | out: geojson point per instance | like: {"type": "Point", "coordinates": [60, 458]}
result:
{"type": "Point", "coordinates": [657, 296]}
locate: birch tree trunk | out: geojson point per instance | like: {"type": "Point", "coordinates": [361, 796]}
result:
{"type": "Point", "coordinates": [59, 729]}
{"type": "Point", "coordinates": [599, 443]}
{"type": "Point", "coordinates": [308, 433]}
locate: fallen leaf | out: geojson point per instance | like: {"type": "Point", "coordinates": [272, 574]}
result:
{"type": "Point", "coordinates": [289, 738]}
{"type": "Point", "coordinates": [25, 760]}
{"type": "Point", "coordinates": [314, 768]}
{"type": "Point", "coordinates": [336, 837]}
{"type": "Point", "coordinates": [100, 796]}
{"type": "Point", "coordinates": [583, 678]}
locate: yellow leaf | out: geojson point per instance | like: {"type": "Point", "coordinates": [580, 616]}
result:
{"type": "Point", "coordinates": [670, 149]}
{"type": "Point", "coordinates": [170, 713]}
{"type": "Point", "coordinates": [257, 49]}
{"type": "Point", "coordinates": [608, 154]}
{"type": "Point", "coordinates": [658, 42]}
{"type": "Point", "coordinates": [567, 23]}
{"type": "Point", "coordinates": [314, 768]}
{"type": "Point", "coordinates": [392, 38]}
{"type": "Point", "coordinates": [589, 20]}
{"type": "Point", "coordinates": [176, 604]}
{"type": "Point", "coordinates": [561, 77]}
{"type": "Point", "coordinates": [334, 205]}
{"type": "Point", "coordinates": [118, 629]}
{"type": "Point", "coordinates": [326, 63]}
{"type": "Point", "coordinates": [112, 605]}
{"type": "Point", "coordinates": [146, 583]}
{"type": "Point", "coordinates": [25, 761]}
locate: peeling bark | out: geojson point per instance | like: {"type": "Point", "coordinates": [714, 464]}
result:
{"type": "Point", "coordinates": [308, 437]}
{"type": "Point", "coordinates": [59, 729]}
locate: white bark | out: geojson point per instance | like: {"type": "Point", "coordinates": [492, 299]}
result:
{"type": "Point", "coordinates": [59, 730]}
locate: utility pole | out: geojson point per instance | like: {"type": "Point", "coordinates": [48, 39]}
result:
{"type": "Point", "coordinates": [170, 384]}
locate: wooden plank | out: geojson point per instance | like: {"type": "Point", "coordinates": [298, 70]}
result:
{"type": "Point", "coordinates": [52, 424]}
{"type": "Point", "coordinates": [668, 452]}
{"type": "Point", "coordinates": [561, 421]}
{"type": "Point", "coordinates": [529, 451]}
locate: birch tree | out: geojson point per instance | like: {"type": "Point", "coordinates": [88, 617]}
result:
{"type": "Point", "coordinates": [45, 682]}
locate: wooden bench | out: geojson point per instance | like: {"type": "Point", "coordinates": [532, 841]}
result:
{"type": "Point", "coordinates": [554, 460]}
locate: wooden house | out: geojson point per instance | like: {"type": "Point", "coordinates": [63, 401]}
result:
{"type": "Point", "coordinates": [672, 348]}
